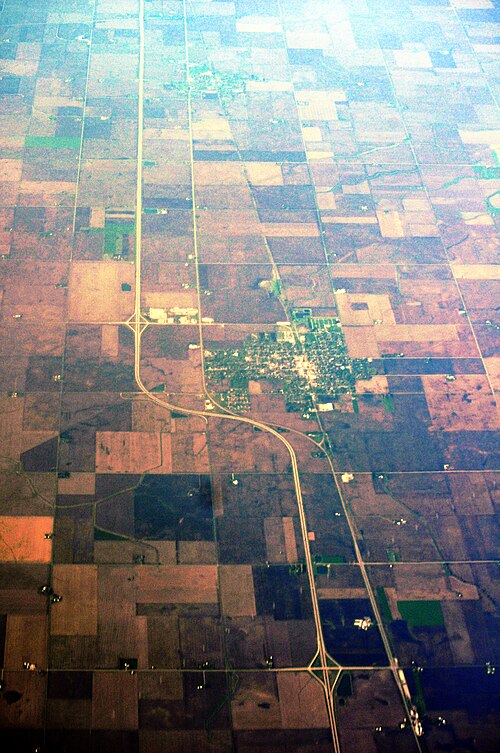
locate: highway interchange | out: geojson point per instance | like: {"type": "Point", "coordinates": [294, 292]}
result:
{"type": "Point", "coordinates": [320, 663]}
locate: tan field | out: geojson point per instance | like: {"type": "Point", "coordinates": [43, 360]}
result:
{"type": "Point", "coordinates": [476, 271]}
{"type": "Point", "coordinates": [226, 173]}
{"type": "Point", "coordinates": [197, 553]}
{"type": "Point", "coordinates": [237, 590]}
{"type": "Point", "coordinates": [264, 174]}
{"type": "Point", "coordinates": [11, 170]}
{"type": "Point", "coordinates": [171, 299]}
{"type": "Point", "coordinates": [416, 333]}
{"type": "Point", "coordinates": [493, 368]}
{"type": "Point", "coordinates": [390, 224]}
{"type": "Point", "coordinates": [302, 701]}
{"type": "Point", "coordinates": [429, 582]}
{"type": "Point", "coordinates": [365, 501]}
{"type": "Point", "coordinates": [77, 483]}
{"type": "Point", "coordinates": [361, 342]}
{"type": "Point", "coordinates": [31, 439]}
{"type": "Point", "coordinates": [255, 704]}
{"type": "Point", "coordinates": [241, 449]}
{"type": "Point", "coordinates": [133, 452]}
{"type": "Point", "coordinates": [290, 540]}
{"type": "Point", "coordinates": [182, 584]}
{"type": "Point", "coordinates": [341, 593]}
{"type": "Point", "coordinates": [377, 385]}
{"type": "Point", "coordinates": [364, 271]}
{"type": "Point", "coordinates": [46, 193]}
{"type": "Point", "coordinates": [189, 453]}
{"type": "Point", "coordinates": [471, 495]}
{"type": "Point", "coordinates": [290, 229]}
{"type": "Point", "coordinates": [147, 416]}
{"type": "Point", "coordinates": [357, 309]}
{"type": "Point", "coordinates": [95, 293]}
{"type": "Point", "coordinates": [11, 423]}
{"type": "Point", "coordinates": [465, 404]}
{"type": "Point", "coordinates": [76, 614]}
{"type": "Point", "coordinates": [110, 341]}
{"type": "Point", "coordinates": [275, 540]}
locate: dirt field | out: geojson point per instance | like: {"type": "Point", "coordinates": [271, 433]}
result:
{"type": "Point", "coordinates": [197, 552]}
{"type": "Point", "coordinates": [184, 584]}
{"type": "Point", "coordinates": [456, 627]}
{"type": "Point", "coordinates": [466, 404]}
{"type": "Point", "coordinates": [68, 714]}
{"type": "Point", "coordinates": [29, 711]}
{"type": "Point", "coordinates": [428, 582]}
{"type": "Point", "coordinates": [146, 416]}
{"type": "Point", "coordinates": [32, 439]}
{"type": "Point", "coordinates": [471, 495]}
{"type": "Point", "coordinates": [160, 741]}
{"type": "Point", "coordinates": [30, 289]}
{"type": "Point", "coordinates": [11, 422]}
{"type": "Point", "coordinates": [264, 173]}
{"type": "Point", "coordinates": [302, 701]}
{"type": "Point", "coordinates": [76, 614]}
{"type": "Point", "coordinates": [290, 229]}
{"type": "Point", "coordinates": [307, 285]}
{"type": "Point", "coordinates": [114, 701]}
{"type": "Point", "coordinates": [290, 540]}
{"type": "Point", "coordinates": [95, 294]}
{"type": "Point", "coordinates": [376, 385]}
{"type": "Point", "coordinates": [493, 369]}
{"type": "Point", "coordinates": [255, 704]}
{"type": "Point", "coordinates": [133, 452]}
{"type": "Point", "coordinates": [123, 552]}
{"type": "Point", "coordinates": [238, 448]}
{"type": "Point", "coordinates": [28, 494]}
{"type": "Point", "coordinates": [41, 412]}
{"type": "Point", "coordinates": [26, 640]}
{"type": "Point", "coordinates": [22, 539]}
{"type": "Point", "coordinates": [190, 453]}
{"type": "Point", "coordinates": [361, 342]}
{"type": "Point", "coordinates": [225, 222]}
{"type": "Point", "coordinates": [177, 375]}
{"type": "Point", "coordinates": [275, 540]}
{"type": "Point", "coordinates": [225, 173]}
{"type": "Point", "coordinates": [357, 309]}
{"type": "Point", "coordinates": [163, 642]}
{"type": "Point", "coordinates": [46, 193]}
{"type": "Point", "coordinates": [237, 590]}
{"type": "Point", "coordinates": [110, 341]}
{"type": "Point", "coordinates": [77, 483]}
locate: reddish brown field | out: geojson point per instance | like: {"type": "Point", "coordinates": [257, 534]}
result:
{"type": "Point", "coordinates": [22, 539]}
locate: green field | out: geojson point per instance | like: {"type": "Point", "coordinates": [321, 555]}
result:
{"type": "Point", "coordinates": [388, 403]}
{"type": "Point", "coordinates": [52, 142]}
{"type": "Point", "coordinates": [113, 235]}
{"type": "Point", "coordinates": [383, 605]}
{"type": "Point", "coordinates": [421, 613]}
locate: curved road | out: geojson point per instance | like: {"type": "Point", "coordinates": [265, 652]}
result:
{"type": "Point", "coordinates": [322, 663]}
